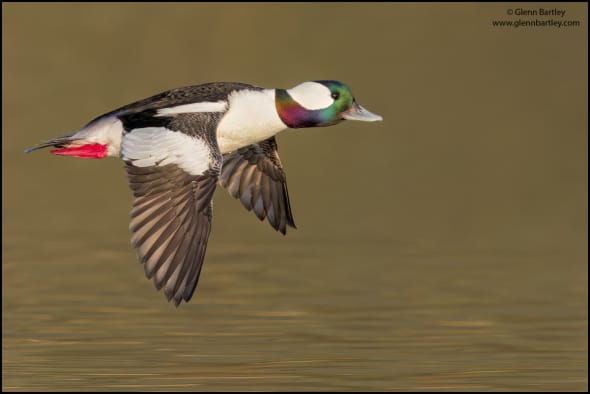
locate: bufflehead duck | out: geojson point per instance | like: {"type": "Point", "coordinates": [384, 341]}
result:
{"type": "Point", "coordinates": [177, 145]}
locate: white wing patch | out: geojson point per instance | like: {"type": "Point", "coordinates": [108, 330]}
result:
{"type": "Point", "coordinates": [207, 106]}
{"type": "Point", "coordinates": [158, 146]}
{"type": "Point", "coordinates": [312, 95]}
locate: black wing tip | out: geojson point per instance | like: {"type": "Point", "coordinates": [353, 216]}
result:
{"type": "Point", "coordinates": [282, 230]}
{"type": "Point", "coordinates": [176, 301]}
{"type": "Point", "coordinates": [175, 298]}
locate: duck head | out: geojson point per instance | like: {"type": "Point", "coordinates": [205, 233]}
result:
{"type": "Point", "coordinates": [319, 103]}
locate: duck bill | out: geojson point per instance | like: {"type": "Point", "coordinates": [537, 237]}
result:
{"type": "Point", "coordinates": [356, 112]}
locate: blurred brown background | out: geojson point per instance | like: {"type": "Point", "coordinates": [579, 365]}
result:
{"type": "Point", "coordinates": [445, 243]}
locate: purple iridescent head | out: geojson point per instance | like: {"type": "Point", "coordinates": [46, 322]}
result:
{"type": "Point", "coordinates": [319, 103]}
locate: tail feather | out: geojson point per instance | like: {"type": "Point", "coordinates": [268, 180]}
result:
{"type": "Point", "coordinates": [58, 142]}
{"type": "Point", "coordinates": [99, 138]}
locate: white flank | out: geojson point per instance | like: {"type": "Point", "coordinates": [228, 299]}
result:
{"type": "Point", "coordinates": [207, 106]}
{"type": "Point", "coordinates": [158, 146]}
{"type": "Point", "coordinates": [106, 131]}
{"type": "Point", "coordinates": [252, 117]}
{"type": "Point", "coordinates": [312, 95]}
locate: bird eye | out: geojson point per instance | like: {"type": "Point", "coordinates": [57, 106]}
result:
{"type": "Point", "coordinates": [335, 95]}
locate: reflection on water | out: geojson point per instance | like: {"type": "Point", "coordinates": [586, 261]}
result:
{"type": "Point", "coordinates": [291, 315]}
{"type": "Point", "coordinates": [442, 249]}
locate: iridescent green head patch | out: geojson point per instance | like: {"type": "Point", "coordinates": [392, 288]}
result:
{"type": "Point", "coordinates": [312, 104]}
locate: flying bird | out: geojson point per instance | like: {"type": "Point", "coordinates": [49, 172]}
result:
{"type": "Point", "coordinates": [178, 145]}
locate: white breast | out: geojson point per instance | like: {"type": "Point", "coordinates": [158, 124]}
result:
{"type": "Point", "coordinates": [252, 117]}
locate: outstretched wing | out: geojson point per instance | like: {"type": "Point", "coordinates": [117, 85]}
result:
{"type": "Point", "coordinates": [254, 175]}
{"type": "Point", "coordinates": [173, 176]}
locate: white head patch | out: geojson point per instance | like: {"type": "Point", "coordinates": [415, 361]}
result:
{"type": "Point", "coordinates": [312, 95]}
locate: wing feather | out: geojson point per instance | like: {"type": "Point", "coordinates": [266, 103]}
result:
{"type": "Point", "coordinates": [254, 175]}
{"type": "Point", "coordinates": [173, 176]}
